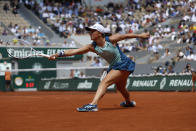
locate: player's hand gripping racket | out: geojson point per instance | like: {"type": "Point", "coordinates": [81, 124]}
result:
{"type": "Point", "coordinates": [24, 51]}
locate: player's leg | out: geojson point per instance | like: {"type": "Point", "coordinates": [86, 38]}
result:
{"type": "Point", "coordinates": [112, 77]}
{"type": "Point", "coordinates": [121, 86]}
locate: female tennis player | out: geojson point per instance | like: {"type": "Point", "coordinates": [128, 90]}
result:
{"type": "Point", "coordinates": [120, 66]}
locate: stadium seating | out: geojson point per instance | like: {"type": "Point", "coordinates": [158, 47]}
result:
{"type": "Point", "coordinates": [143, 56]}
{"type": "Point", "coordinates": [9, 17]}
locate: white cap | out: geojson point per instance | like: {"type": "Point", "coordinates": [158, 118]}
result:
{"type": "Point", "coordinates": [97, 27]}
{"type": "Point", "coordinates": [181, 54]}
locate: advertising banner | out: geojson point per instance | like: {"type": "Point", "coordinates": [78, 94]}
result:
{"type": "Point", "coordinates": [48, 51]}
{"type": "Point", "coordinates": [161, 83]}
{"type": "Point", "coordinates": [30, 79]}
{"type": "Point", "coordinates": [75, 84]}
{"type": "Point", "coordinates": [142, 83]}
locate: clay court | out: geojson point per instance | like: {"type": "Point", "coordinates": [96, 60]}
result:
{"type": "Point", "coordinates": [56, 111]}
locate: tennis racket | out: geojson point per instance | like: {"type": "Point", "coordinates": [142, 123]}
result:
{"type": "Point", "coordinates": [24, 51]}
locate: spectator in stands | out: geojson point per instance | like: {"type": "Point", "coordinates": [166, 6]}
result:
{"type": "Point", "coordinates": [10, 25]}
{"type": "Point", "coordinates": [12, 3]}
{"type": "Point", "coordinates": [170, 69]}
{"type": "Point", "coordinates": [65, 44]}
{"type": "Point", "coordinates": [158, 70]}
{"type": "Point", "coordinates": [45, 15]}
{"type": "Point", "coordinates": [62, 30]}
{"type": "Point", "coordinates": [149, 3]}
{"type": "Point", "coordinates": [6, 7]}
{"type": "Point", "coordinates": [166, 53]}
{"type": "Point", "coordinates": [162, 70]}
{"type": "Point", "coordinates": [125, 48]}
{"type": "Point", "coordinates": [193, 38]}
{"type": "Point", "coordinates": [15, 41]}
{"type": "Point", "coordinates": [15, 11]}
{"type": "Point", "coordinates": [155, 48]}
{"type": "Point", "coordinates": [4, 33]}
{"type": "Point", "coordinates": [82, 75]}
{"type": "Point", "coordinates": [7, 43]}
{"type": "Point", "coordinates": [118, 28]}
{"type": "Point", "coordinates": [180, 55]}
{"type": "Point", "coordinates": [36, 41]}
{"type": "Point", "coordinates": [173, 34]}
{"type": "Point", "coordinates": [187, 68]}
{"type": "Point", "coordinates": [18, 35]}
{"type": "Point", "coordinates": [14, 29]}
{"type": "Point", "coordinates": [1, 42]}
{"type": "Point", "coordinates": [96, 62]}
{"type": "Point", "coordinates": [76, 73]}
{"type": "Point", "coordinates": [71, 75]}
{"type": "Point", "coordinates": [47, 43]}
{"type": "Point", "coordinates": [72, 44]}
{"type": "Point", "coordinates": [56, 25]}
{"type": "Point", "coordinates": [191, 57]}
{"type": "Point", "coordinates": [193, 18]}
{"type": "Point", "coordinates": [15, 3]}
{"type": "Point", "coordinates": [188, 51]}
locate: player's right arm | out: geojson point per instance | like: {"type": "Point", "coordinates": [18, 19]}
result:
{"type": "Point", "coordinates": [72, 52]}
{"type": "Point", "coordinates": [118, 37]}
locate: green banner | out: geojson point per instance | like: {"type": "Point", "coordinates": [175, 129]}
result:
{"type": "Point", "coordinates": [48, 51]}
{"type": "Point", "coordinates": [30, 79]}
{"type": "Point", "coordinates": [2, 83]}
{"type": "Point", "coordinates": [160, 83]}
{"type": "Point", "coordinates": [74, 84]}
{"type": "Point", "coordinates": [142, 83]}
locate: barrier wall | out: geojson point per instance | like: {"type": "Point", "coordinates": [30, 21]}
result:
{"type": "Point", "coordinates": [136, 83]}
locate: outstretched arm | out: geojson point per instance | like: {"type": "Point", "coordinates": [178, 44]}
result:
{"type": "Point", "coordinates": [72, 52]}
{"type": "Point", "coordinates": [118, 37]}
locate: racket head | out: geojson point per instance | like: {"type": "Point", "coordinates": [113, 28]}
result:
{"type": "Point", "coordinates": [23, 51]}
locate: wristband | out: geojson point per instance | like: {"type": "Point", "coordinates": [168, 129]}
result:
{"type": "Point", "coordinates": [62, 53]}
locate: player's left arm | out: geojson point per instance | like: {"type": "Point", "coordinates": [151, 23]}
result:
{"type": "Point", "coordinates": [118, 37]}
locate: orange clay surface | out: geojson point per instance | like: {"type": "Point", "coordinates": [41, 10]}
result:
{"type": "Point", "coordinates": [56, 111]}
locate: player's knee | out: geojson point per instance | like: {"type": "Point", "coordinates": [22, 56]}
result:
{"type": "Point", "coordinates": [106, 83]}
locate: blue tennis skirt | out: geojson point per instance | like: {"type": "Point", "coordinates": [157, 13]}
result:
{"type": "Point", "coordinates": [126, 64]}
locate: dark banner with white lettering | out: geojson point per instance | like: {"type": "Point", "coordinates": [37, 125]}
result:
{"type": "Point", "coordinates": [48, 51]}
{"type": "Point", "coordinates": [75, 84]}
{"type": "Point", "coordinates": [161, 83]}
{"type": "Point", "coordinates": [141, 83]}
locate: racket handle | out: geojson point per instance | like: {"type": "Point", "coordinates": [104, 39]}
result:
{"type": "Point", "coordinates": [44, 55]}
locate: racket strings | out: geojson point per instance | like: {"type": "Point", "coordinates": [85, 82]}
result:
{"type": "Point", "coordinates": [25, 51]}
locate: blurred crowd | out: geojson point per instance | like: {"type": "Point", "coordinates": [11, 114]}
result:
{"type": "Point", "coordinates": [184, 36]}
{"type": "Point", "coordinates": [71, 17]}
{"type": "Point", "coordinates": [28, 33]}
{"type": "Point", "coordinates": [168, 69]}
